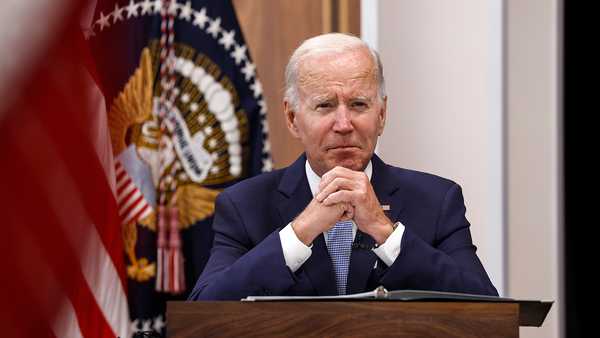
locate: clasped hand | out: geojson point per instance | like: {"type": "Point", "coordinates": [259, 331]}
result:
{"type": "Point", "coordinates": [343, 194]}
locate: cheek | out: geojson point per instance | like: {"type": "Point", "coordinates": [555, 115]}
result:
{"type": "Point", "coordinates": [369, 128]}
{"type": "Point", "coordinates": [315, 129]}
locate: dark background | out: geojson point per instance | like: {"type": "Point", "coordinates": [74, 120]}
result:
{"type": "Point", "coordinates": [581, 164]}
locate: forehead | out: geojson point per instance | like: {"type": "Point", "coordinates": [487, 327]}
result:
{"type": "Point", "coordinates": [351, 70]}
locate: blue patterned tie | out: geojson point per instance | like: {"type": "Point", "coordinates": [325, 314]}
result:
{"type": "Point", "coordinates": [339, 245]}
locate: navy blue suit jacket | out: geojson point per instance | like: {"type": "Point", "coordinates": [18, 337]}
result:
{"type": "Point", "coordinates": [247, 259]}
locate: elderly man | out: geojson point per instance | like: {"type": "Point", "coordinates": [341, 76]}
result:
{"type": "Point", "coordinates": [339, 220]}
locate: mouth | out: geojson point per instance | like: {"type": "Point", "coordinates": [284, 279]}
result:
{"type": "Point", "coordinates": [342, 147]}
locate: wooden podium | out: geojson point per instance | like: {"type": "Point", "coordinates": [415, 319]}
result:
{"type": "Point", "coordinates": [352, 319]}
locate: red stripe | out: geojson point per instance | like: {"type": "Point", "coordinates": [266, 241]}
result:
{"type": "Point", "coordinates": [141, 212]}
{"type": "Point", "coordinates": [127, 197]}
{"type": "Point", "coordinates": [121, 175]}
{"type": "Point", "coordinates": [132, 206]}
{"type": "Point", "coordinates": [54, 247]}
{"type": "Point", "coordinates": [118, 168]}
{"type": "Point", "coordinates": [123, 187]}
{"type": "Point", "coordinates": [96, 194]}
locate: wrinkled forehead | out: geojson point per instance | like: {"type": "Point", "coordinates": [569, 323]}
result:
{"type": "Point", "coordinates": [354, 68]}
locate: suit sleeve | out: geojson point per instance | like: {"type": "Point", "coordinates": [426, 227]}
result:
{"type": "Point", "coordinates": [238, 268]}
{"type": "Point", "coordinates": [449, 264]}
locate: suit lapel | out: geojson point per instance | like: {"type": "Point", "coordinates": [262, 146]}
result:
{"type": "Point", "coordinates": [296, 195]}
{"type": "Point", "coordinates": [363, 259]}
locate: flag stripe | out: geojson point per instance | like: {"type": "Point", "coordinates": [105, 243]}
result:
{"type": "Point", "coordinates": [98, 267]}
{"type": "Point", "coordinates": [143, 212]}
{"type": "Point", "coordinates": [66, 323]}
{"type": "Point", "coordinates": [126, 192]}
{"type": "Point", "coordinates": [91, 320]}
{"type": "Point", "coordinates": [122, 184]}
{"type": "Point", "coordinates": [136, 212]}
{"type": "Point", "coordinates": [132, 194]}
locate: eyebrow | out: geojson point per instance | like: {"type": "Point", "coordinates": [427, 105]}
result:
{"type": "Point", "coordinates": [362, 98]}
{"type": "Point", "coordinates": [321, 98]}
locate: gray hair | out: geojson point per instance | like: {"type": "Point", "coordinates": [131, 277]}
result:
{"type": "Point", "coordinates": [330, 43]}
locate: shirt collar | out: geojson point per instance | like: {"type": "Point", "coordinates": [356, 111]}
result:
{"type": "Point", "coordinates": [314, 179]}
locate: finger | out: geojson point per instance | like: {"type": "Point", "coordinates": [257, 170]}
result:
{"type": "Point", "coordinates": [340, 196]}
{"type": "Point", "coordinates": [337, 172]}
{"type": "Point", "coordinates": [348, 212]}
{"type": "Point", "coordinates": [338, 183]}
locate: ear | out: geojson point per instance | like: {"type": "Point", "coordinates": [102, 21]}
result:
{"type": "Point", "coordinates": [382, 116]}
{"type": "Point", "coordinates": [290, 119]}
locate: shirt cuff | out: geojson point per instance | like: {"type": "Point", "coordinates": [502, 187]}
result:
{"type": "Point", "coordinates": [295, 252]}
{"type": "Point", "coordinates": [390, 249]}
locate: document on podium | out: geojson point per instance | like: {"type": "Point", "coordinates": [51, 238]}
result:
{"type": "Point", "coordinates": [531, 312]}
{"type": "Point", "coordinates": [380, 293]}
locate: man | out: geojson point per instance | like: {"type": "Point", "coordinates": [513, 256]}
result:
{"type": "Point", "coordinates": [339, 220]}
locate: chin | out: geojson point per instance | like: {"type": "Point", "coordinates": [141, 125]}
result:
{"type": "Point", "coordinates": [352, 163]}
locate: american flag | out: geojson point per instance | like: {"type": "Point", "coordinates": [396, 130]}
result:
{"type": "Point", "coordinates": [61, 255]}
{"type": "Point", "coordinates": [132, 204]}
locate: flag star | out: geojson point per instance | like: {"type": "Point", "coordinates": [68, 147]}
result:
{"type": "Point", "coordinates": [146, 323]}
{"type": "Point", "coordinates": [256, 88]}
{"type": "Point", "coordinates": [186, 11]}
{"type": "Point", "coordinates": [158, 323]}
{"type": "Point", "coordinates": [134, 326]}
{"type": "Point", "coordinates": [132, 9]}
{"type": "Point", "coordinates": [266, 146]}
{"type": "Point", "coordinates": [249, 70]}
{"type": "Point", "coordinates": [228, 39]}
{"type": "Point", "coordinates": [263, 107]}
{"type": "Point", "coordinates": [89, 32]}
{"type": "Point", "coordinates": [117, 14]}
{"type": "Point", "coordinates": [265, 126]}
{"type": "Point", "coordinates": [173, 6]}
{"type": "Point", "coordinates": [239, 54]}
{"type": "Point", "coordinates": [157, 6]}
{"type": "Point", "coordinates": [200, 18]}
{"type": "Point", "coordinates": [146, 7]}
{"type": "Point", "coordinates": [267, 164]}
{"type": "Point", "coordinates": [214, 27]}
{"type": "Point", "coordinates": [103, 21]}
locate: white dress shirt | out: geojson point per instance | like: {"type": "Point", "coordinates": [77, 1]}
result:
{"type": "Point", "coordinates": [296, 253]}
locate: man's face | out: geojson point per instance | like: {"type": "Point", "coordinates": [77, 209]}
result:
{"type": "Point", "coordinates": [340, 115]}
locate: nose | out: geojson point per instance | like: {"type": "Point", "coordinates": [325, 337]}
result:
{"type": "Point", "coordinates": [343, 120]}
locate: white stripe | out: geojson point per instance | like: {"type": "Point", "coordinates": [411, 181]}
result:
{"type": "Point", "coordinates": [147, 212]}
{"type": "Point", "coordinates": [130, 201]}
{"type": "Point", "coordinates": [96, 265]}
{"type": "Point", "coordinates": [57, 306]}
{"type": "Point", "coordinates": [134, 211]}
{"type": "Point", "coordinates": [103, 279]}
{"type": "Point", "coordinates": [122, 197]}
{"type": "Point", "coordinates": [119, 168]}
{"type": "Point", "coordinates": [66, 324]}
{"type": "Point", "coordinates": [122, 182]}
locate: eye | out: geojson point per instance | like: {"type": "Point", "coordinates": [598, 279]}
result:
{"type": "Point", "coordinates": [324, 105]}
{"type": "Point", "coordinates": [359, 105]}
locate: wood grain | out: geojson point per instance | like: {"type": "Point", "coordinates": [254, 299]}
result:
{"type": "Point", "coordinates": [273, 29]}
{"type": "Point", "coordinates": [341, 319]}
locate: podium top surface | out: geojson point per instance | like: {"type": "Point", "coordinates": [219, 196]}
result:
{"type": "Point", "coordinates": [531, 312]}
